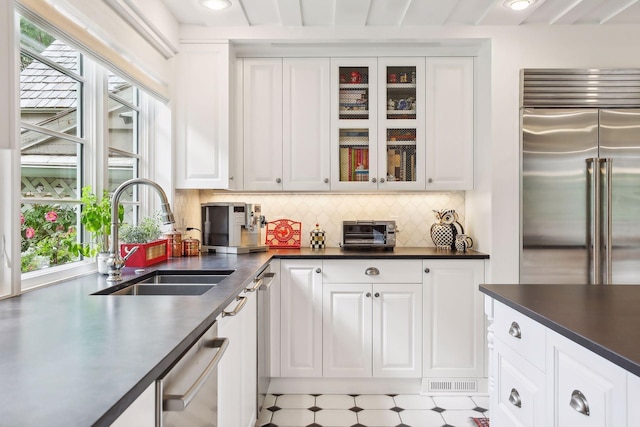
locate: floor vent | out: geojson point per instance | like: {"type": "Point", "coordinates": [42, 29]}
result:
{"type": "Point", "coordinates": [453, 385]}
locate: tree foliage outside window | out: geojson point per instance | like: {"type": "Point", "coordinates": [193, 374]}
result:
{"type": "Point", "coordinates": [33, 38]}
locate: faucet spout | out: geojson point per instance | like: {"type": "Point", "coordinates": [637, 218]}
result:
{"type": "Point", "coordinates": [115, 262]}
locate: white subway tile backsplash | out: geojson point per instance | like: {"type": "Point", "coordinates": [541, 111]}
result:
{"type": "Point", "coordinates": [412, 212]}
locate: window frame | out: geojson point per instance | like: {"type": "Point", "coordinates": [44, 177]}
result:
{"type": "Point", "coordinates": [93, 115]}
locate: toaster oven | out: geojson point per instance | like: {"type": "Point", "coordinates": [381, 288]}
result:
{"type": "Point", "coordinates": [368, 234]}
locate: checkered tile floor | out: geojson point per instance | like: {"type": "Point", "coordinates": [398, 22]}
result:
{"type": "Point", "coordinates": [380, 410]}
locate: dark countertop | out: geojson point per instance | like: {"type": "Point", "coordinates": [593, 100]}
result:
{"type": "Point", "coordinates": [71, 358]}
{"type": "Point", "coordinates": [603, 319]}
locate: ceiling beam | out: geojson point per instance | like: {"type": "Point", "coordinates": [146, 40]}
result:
{"type": "Point", "coordinates": [352, 12]}
{"type": "Point", "coordinates": [290, 13]}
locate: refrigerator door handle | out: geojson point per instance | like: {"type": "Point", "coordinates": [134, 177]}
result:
{"type": "Point", "coordinates": [593, 219]}
{"type": "Point", "coordinates": [607, 221]}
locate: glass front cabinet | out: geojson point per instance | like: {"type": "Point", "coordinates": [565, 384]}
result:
{"type": "Point", "coordinates": [402, 123]}
{"type": "Point", "coordinates": [378, 110]}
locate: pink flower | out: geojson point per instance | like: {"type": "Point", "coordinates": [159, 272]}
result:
{"type": "Point", "coordinates": [21, 219]}
{"type": "Point", "coordinates": [30, 232]}
{"type": "Point", "coordinates": [51, 216]}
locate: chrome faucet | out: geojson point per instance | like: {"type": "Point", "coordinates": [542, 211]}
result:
{"type": "Point", "coordinates": [115, 262]}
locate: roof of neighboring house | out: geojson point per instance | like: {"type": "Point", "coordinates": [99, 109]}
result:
{"type": "Point", "coordinates": [43, 87]}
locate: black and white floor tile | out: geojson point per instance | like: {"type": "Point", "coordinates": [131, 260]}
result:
{"type": "Point", "coordinates": [375, 410]}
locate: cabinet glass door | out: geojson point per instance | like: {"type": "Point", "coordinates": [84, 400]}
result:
{"type": "Point", "coordinates": [354, 124]}
{"type": "Point", "coordinates": [401, 162]}
{"type": "Point", "coordinates": [354, 155]}
{"type": "Point", "coordinates": [401, 155]}
{"type": "Point", "coordinates": [401, 92]}
{"type": "Point", "coordinates": [354, 93]}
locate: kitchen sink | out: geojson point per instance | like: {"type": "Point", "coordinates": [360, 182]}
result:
{"type": "Point", "coordinates": [170, 283]}
{"type": "Point", "coordinates": [200, 278]}
{"type": "Point", "coordinates": [144, 289]}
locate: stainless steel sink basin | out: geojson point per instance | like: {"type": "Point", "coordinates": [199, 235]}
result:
{"type": "Point", "coordinates": [210, 279]}
{"type": "Point", "coordinates": [170, 283]}
{"type": "Point", "coordinates": [143, 289]}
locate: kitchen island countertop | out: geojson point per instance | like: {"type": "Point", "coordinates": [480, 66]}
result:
{"type": "Point", "coordinates": [71, 358]}
{"type": "Point", "coordinates": [604, 319]}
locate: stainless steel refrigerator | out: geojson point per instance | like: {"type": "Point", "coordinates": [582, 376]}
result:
{"type": "Point", "coordinates": [580, 177]}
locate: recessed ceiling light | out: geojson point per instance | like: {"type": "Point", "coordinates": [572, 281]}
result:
{"type": "Point", "coordinates": [519, 4]}
{"type": "Point", "coordinates": [215, 4]}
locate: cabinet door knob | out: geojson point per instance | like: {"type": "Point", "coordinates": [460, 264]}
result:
{"type": "Point", "coordinates": [318, 270]}
{"type": "Point", "coordinates": [326, 180]}
{"type": "Point", "coordinates": [430, 180]}
{"type": "Point", "coordinates": [368, 294]}
{"type": "Point", "coordinates": [382, 180]}
{"type": "Point", "coordinates": [515, 331]}
{"type": "Point", "coordinates": [514, 398]}
{"type": "Point", "coordinates": [377, 294]}
{"type": "Point", "coordinates": [372, 271]}
{"type": "Point", "coordinates": [230, 178]}
{"type": "Point", "coordinates": [579, 402]}
{"type": "Point", "coordinates": [427, 270]}
{"type": "Point", "coordinates": [278, 180]}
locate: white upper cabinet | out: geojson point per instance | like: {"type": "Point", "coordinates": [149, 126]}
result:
{"type": "Point", "coordinates": [450, 124]}
{"type": "Point", "coordinates": [286, 124]}
{"type": "Point", "coordinates": [404, 124]}
{"type": "Point", "coordinates": [401, 121]}
{"type": "Point", "coordinates": [202, 116]}
{"type": "Point", "coordinates": [305, 153]}
{"type": "Point", "coordinates": [354, 124]}
{"type": "Point", "coordinates": [262, 124]}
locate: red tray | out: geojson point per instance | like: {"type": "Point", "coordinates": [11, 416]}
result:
{"type": "Point", "coordinates": [283, 233]}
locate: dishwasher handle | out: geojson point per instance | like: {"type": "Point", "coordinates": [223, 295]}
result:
{"type": "Point", "coordinates": [173, 402]}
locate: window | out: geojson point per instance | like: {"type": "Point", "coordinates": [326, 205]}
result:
{"type": "Point", "coordinates": [61, 146]}
{"type": "Point", "coordinates": [52, 147]}
{"type": "Point", "coordinates": [124, 153]}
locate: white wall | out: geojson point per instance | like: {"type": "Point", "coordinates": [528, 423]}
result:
{"type": "Point", "coordinates": [493, 208]}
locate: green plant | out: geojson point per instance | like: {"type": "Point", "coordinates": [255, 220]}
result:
{"type": "Point", "coordinates": [96, 219]}
{"type": "Point", "coordinates": [147, 230]}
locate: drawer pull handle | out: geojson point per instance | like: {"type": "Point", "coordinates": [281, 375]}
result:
{"type": "Point", "coordinates": [241, 302]}
{"type": "Point", "coordinates": [515, 331]}
{"type": "Point", "coordinates": [514, 398]}
{"type": "Point", "coordinates": [372, 271]}
{"type": "Point", "coordinates": [579, 402]}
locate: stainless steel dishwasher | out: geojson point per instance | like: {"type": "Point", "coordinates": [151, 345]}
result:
{"type": "Point", "coordinates": [187, 395]}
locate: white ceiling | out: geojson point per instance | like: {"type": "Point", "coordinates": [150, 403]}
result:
{"type": "Point", "coordinates": [404, 13]}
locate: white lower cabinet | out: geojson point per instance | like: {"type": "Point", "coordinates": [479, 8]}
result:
{"type": "Point", "coordinates": [142, 412]}
{"type": "Point", "coordinates": [301, 318]}
{"type": "Point", "coordinates": [454, 333]}
{"type": "Point", "coordinates": [572, 386]}
{"type": "Point", "coordinates": [519, 398]}
{"type": "Point", "coordinates": [583, 388]}
{"type": "Point", "coordinates": [372, 330]}
{"type": "Point", "coordinates": [633, 399]}
{"type": "Point", "coordinates": [237, 373]}
{"type": "Point", "coordinates": [372, 317]}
